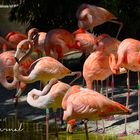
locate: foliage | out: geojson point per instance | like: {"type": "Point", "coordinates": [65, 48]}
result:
{"type": "Point", "coordinates": [48, 14]}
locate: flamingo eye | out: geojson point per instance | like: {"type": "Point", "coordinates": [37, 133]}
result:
{"type": "Point", "coordinates": [35, 36]}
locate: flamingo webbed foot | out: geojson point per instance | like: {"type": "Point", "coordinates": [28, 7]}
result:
{"type": "Point", "coordinates": [137, 132]}
{"type": "Point", "coordinates": [101, 131]}
{"type": "Point", "coordinates": [122, 134]}
{"type": "Point", "coordinates": [110, 118]}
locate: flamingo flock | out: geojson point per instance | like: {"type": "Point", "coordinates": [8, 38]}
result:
{"type": "Point", "coordinates": [35, 57]}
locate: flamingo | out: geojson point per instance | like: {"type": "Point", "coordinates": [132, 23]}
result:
{"type": "Point", "coordinates": [50, 97]}
{"type": "Point", "coordinates": [89, 104]}
{"type": "Point", "coordinates": [85, 40]}
{"type": "Point", "coordinates": [11, 40]}
{"type": "Point", "coordinates": [7, 62]}
{"type": "Point", "coordinates": [39, 39]}
{"type": "Point", "coordinates": [90, 16]}
{"type": "Point", "coordinates": [128, 56]}
{"type": "Point", "coordinates": [55, 43]}
{"type": "Point", "coordinates": [96, 66]}
{"type": "Point", "coordinates": [43, 69]}
{"type": "Point", "coordinates": [15, 38]}
{"type": "Point", "coordinates": [5, 45]}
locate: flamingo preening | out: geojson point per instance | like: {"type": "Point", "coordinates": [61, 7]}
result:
{"type": "Point", "coordinates": [90, 16]}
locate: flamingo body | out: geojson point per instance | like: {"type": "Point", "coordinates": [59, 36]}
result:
{"type": "Point", "coordinates": [51, 99]}
{"type": "Point", "coordinates": [89, 104]}
{"type": "Point", "coordinates": [90, 16]}
{"type": "Point", "coordinates": [127, 56]}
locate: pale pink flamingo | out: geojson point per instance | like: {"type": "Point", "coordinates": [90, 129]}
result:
{"type": "Point", "coordinates": [89, 104]}
{"type": "Point", "coordinates": [128, 56]}
{"type": "Point", "coordinates": [44, 69]}
{"type": "Point", "coordinates": [7, 62]}
{"type": "Point", "coordinates": [50, 97]}
{"type": "Point", "coordinates": [90, 16]}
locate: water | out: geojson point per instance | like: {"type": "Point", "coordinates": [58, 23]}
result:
{"type": "Point", "coordinates": [23, 130]}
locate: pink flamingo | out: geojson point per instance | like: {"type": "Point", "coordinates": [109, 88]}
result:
{"type": "Point", "coordinates": [128, 56]}
{"type": "Point", "coordinates": [89, 104]}
{"type": "Point", "coordinates": [5, 45]}
{"type": "Point", "coordinates": [55, 43]}
{"type": "Point", "coordinates": [85, 40]}
{"type": "Point", "coordinates": [11, 40]}
{"type": "Point", "coordinates": [7, 62]}
{"type": "Point", "coordinates": [44, 69]}
{"type": "Point", "coordinates": [39, 39]}
{"type": "Point", "coordinates": [15, 38]}
{"type": "Point", "coordinates": [90, 16]}
{"type": "Point", "coordinates": [96, 66]}
{"type": "Point", "coordinates": [50, 97]}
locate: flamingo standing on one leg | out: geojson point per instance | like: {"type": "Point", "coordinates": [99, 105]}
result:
{"type": "Point", "coordinates": [89, 104]}
{"type": "Point", "coordinates": [90, 16]}
{"type": "Point", "coordinates": [128, 56]}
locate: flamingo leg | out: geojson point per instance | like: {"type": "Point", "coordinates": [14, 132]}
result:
{"type": "Point", "coordinates": [107, 83]}
{"type": "Point", "coordinates": [127, 103]}
{"type": "Point", "coordinates": [16, 98]}
{"type": "Point", "coordinates": [102, 131]}
{"type": "Point", "coordinates": [56, 127]}
{"type": "Point", "coordinates": [96, 87]}
{"type": "Point", "coordinates": [112, 85]}
{"type": "Point", "coordinates": [121, 25]}
{"type": "Point", "coordinates": [86, 129]}
{"type": "Point", "coordinates": [47, 124]}
{"type": "Point", "coordinates": [78, 75]}
{"type": "Point", "coordinates": [101, 90]}
{"type": "Point", "coordinates": [138, 130]}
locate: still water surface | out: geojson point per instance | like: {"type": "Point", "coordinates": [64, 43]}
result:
{"type": "Point", "coordinates": [9, 130]}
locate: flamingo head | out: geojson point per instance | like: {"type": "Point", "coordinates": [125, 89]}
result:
{"type": "Point", "coordinates": [113, 64]}
{"type": "Point", "coordinates": [19, 50]}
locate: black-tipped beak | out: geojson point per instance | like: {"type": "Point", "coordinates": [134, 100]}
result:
{"type": "Point", "coordinates": [17, 60]}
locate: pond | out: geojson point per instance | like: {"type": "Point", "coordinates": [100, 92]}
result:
{"type": "Point", "coordinates": [23, 130]}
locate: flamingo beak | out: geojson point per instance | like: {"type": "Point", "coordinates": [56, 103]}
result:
{"type": "Point", "coordinates": [16, 54]}
{"type": "Point", "coordinates": [19, 92]}
{"type": "Point", "coordinates": [17, 60]}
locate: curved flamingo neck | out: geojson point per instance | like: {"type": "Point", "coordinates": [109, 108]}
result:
{"type": "Point", "coordinates": [11, 85]}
